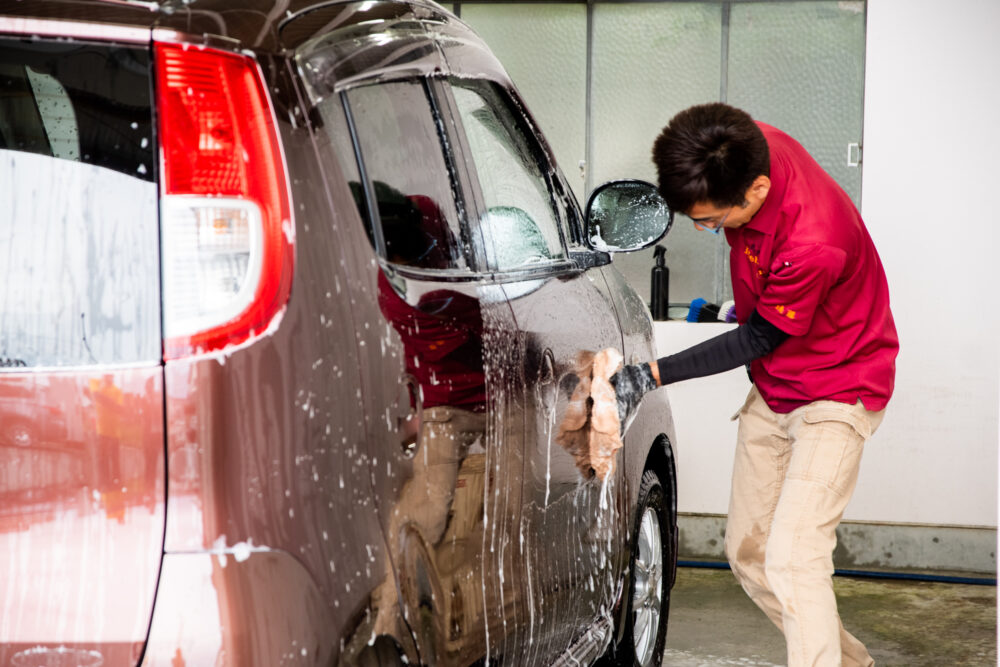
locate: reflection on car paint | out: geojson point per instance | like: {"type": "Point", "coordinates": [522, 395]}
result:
{"type": "Point", "coordinates": [81, 513]}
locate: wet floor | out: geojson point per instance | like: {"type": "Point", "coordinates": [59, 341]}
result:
{"type": "Point", "coordinates": [916, 624]}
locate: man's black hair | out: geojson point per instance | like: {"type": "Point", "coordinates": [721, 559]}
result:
{"type": "Point", "coordinates": [709, 153]}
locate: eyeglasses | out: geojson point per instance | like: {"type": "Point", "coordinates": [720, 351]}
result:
{"type": "Point", "coordinates": [702, 223]}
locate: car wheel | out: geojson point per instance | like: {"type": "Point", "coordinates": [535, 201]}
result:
{"type": "Point", "coordinates": [645, 632]}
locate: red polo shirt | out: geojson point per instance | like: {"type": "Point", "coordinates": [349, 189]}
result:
{"type": "Point", "coordinates": [807, 264]}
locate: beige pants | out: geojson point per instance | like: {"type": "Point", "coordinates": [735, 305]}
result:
{"type": "Point", "coordinates": [792, 478]}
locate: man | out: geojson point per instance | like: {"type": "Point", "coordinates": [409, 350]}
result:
{"type": "Point", "coordinates": [817, 333]}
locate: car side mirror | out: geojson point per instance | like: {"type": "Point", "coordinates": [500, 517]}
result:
{"type": "Point", "coordinates": [626, 215]}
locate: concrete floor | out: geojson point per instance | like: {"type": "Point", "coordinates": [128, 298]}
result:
{"type": "Point", "coordinates": [916, 624]}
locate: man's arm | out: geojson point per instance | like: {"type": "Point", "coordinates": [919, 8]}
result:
{"type": "Point", "coordinates": [754, 339]}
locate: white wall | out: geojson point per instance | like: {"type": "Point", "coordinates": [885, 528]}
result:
{"type": "Point", "coordinates": [931, 200]}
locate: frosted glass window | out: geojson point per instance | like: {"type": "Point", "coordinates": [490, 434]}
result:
{"type": "Point", "coordinates": [544, 50]}
{"type": "Point", "coordinates": [650, 61]}
{"type": "Point", "coordinates": [800, 67]}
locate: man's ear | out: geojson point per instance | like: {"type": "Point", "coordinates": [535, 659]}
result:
{"type": "Point", "coordinates": [757, 192]}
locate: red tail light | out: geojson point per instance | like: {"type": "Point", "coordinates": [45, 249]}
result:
{"type": "Point", "coordinates": [227, 233]}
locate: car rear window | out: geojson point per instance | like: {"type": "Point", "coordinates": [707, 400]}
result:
{"type": "Point", "coordinates": [79, 230]}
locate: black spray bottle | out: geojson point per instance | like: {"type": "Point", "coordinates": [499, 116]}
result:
{"type": "Point", "coordinates": [659, 285]}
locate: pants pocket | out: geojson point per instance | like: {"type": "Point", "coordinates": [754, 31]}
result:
{"type": "Point", "coordinates": [854, 416]}
{"type": "Point", "coordinates": [827, 448]}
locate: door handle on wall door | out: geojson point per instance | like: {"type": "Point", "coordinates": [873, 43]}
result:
{"type": "Point", "coordinates": [853, 154]}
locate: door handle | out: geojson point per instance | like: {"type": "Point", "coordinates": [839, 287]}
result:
{"type": "Point", "coordinates": [547, 370]}
{"type": "Point", "coordinates": [853, 154]}
{"type": "Point", "coordinates": [546, 389]}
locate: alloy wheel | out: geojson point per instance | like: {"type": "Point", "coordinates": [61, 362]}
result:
{"type": "Point", "coordinates": [647, 592]}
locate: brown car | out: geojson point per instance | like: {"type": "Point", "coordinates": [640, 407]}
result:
{"type": "Point", "coordinates": [294, 305]}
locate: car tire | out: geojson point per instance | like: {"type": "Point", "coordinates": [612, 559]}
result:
{"type": "Point", "coordinates": [650, 577]}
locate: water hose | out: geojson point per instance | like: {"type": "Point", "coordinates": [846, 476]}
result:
{"type": "Point", "coordinates": [867, 574]}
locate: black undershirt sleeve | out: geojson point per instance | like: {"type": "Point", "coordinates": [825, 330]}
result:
{"type": "Point", "coordinates": [752, 340]}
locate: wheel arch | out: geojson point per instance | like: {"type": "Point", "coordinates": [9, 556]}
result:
{"type": "Point", "coordinates": [662, 461]}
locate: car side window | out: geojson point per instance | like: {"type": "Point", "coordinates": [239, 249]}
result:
{"type": "Point", "coordinates": [520, 225]}
{"type": "Point", "coordinates": [408, 177]}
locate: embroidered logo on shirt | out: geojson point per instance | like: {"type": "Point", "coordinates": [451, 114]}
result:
{"type": "Point", "coordinates": [754, 258]}
{"type": "Point", "coordinates": [787, 312]}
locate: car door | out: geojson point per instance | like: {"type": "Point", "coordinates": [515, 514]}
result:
{"type": "Point", "coordinates": [445, 436]}
{"type": "Point", "coordinates": [571, 528]}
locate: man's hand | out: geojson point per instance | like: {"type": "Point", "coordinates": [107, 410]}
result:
{"type": "Point", "coordinates": [631, 383]}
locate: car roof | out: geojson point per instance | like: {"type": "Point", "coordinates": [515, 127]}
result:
{"type": "Point", "coordinates": [363, 38]}
{"type": "Point", "coordinates": [274, 26]}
